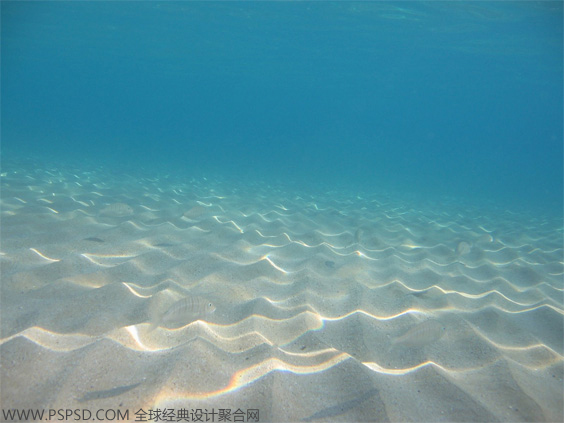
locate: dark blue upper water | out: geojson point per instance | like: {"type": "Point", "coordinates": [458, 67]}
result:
{"type": "Point", "coordinates": [437, 98]}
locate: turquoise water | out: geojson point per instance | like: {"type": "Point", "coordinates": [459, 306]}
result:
{"type": "Point", "coordinates": [439, 98]}
{"type": "Point", "coordinates": [323, 211]}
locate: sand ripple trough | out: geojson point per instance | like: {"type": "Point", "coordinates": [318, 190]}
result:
{"type": "Point", "coordinates": [419, 313]}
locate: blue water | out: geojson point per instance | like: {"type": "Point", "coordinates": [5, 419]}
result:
{"type": "Point", "coordinates": [457, 99]}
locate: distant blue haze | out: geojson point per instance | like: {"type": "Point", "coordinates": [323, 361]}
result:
{"type": "Point", "coordinates": [459, 99]}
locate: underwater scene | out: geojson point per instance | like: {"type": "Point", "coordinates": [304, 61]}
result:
{"type": "Point", "coordinates": [293, 211]}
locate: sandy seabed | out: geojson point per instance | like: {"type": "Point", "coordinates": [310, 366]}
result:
{"type": "Point", "coordinates": [328, 306]}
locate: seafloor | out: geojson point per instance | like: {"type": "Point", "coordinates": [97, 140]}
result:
{"type": "Point", "coordinates": [329, 305]}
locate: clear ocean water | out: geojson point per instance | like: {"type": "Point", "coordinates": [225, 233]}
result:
{"type": "Point", "coordinates": [324, 211]}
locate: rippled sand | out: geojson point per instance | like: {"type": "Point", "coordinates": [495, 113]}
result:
{"type": "Point", "coordinates": [321, 301]}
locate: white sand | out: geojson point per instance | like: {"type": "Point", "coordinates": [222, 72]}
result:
{"type": "Point", "coordinates": [311, 292]}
